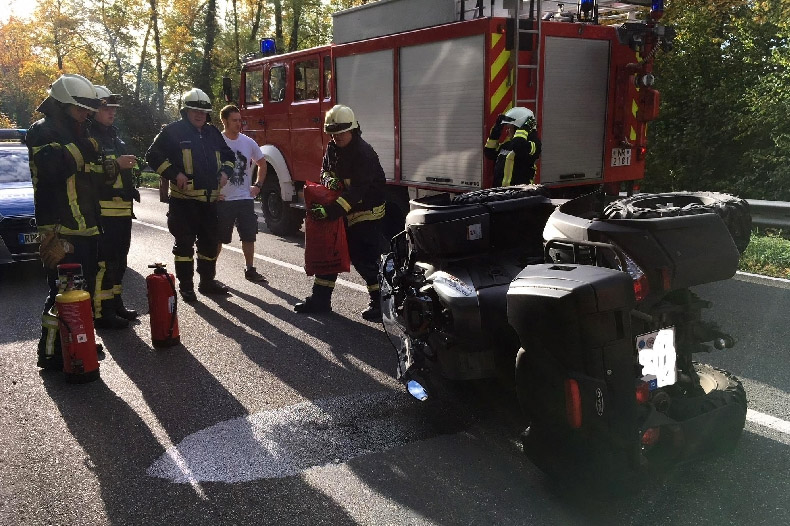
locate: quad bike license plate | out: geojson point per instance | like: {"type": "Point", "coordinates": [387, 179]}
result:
{"type": "Point", "coordinates": [657, 355]}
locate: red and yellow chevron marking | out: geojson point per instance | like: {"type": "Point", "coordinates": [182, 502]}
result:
{"type": "Point", "coordinates": [498, 80]}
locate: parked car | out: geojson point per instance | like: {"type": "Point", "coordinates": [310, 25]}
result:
{"type": "Point", "coordinates": [18, 235]}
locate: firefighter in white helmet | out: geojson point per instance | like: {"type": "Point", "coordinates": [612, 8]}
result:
{"type": "Point", "coordinates": [62, 162]}
{"type": "Point", "coordinates": [351, 165]}
{"type": "Point", "coordinates": [116, 191]}
{"type": "Point", "coordinates": [192, 154]}
{"type": "Point", "coordinates": [519, 150]}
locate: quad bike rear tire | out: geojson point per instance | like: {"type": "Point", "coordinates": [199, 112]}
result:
{"type": "Point", "coordinates": [734, 211]}
{"type": "Point", "coordinates": [721, 389]}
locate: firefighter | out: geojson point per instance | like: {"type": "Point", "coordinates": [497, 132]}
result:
{"type": "Point", "coordinates": [192, 154]}
{"type": "Point", "coordinates": [351, 165]}
{"type": "Point", "coordinates": [62, 161]}
{"type": "Point", "coordinates": [517, 154]}
{"type": "Point", "coordinates": [116, 191]}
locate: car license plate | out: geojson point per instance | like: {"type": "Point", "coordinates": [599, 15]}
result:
{"type": "Point", "coordinates": [621, 156]}
{"type": "Point", "coordinates": [28, 238]}
{"type": "Point", "coordinates": [657, 355]}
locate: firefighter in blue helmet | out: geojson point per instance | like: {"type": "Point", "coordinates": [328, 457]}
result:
{"type": "Point", "coordinates": [116, 191]}
{"type": "Point", "coordinates": [192, 154]}
{"type": "Point", "coordinates": [351, 165]}
{"type": "Point", "coordinates": [515, 156]}
{"type": "Point", "coordinates": [62, 163]}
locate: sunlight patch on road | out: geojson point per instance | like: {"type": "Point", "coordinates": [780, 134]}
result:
{"type": "Point", "coordinates": [286, 441]}
{"type": "Point", "coordinates": [289, 266]}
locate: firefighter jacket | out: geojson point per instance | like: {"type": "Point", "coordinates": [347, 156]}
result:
{"type": "Point", "coordinates": [515, 159]}
{"type": "Point", "coordinates": [202, 155]}
{"type": "Point", "coordinates": [115, 187]}
{"type": "Point", "coordinates": [62, 161]}
{"type": "Point", "coordinates": [357, 166]}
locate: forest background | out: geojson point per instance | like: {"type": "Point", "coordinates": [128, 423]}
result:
{"type": "Point", "coordinates": [724, 123]}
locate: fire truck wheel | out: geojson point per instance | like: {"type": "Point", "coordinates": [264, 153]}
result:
{"type": "Point", "coordinates": [502, 193]}
{"type": "Point", "coordinates": [280, 218]}
{"type": "Point", "coordinates": [732, 210]}
{"type": "Point", "coordinates": [721, 410]}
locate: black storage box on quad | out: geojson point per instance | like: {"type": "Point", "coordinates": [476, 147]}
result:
{"type": "Point", "coordinates": [573, 322]}
{"type": "Point", "coordinates": [440, 229]}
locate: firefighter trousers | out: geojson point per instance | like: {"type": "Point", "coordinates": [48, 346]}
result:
{"type": "Point", "coordinates": [86, 254]}
{"type": "Point", "coordinates": [193, 223]}
{"type": "Point", "coordinates": [114, 246]}
{"type": "Point", "coordinates": [365, 245]}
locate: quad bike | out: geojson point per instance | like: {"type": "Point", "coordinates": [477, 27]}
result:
{"type": "Point", "coordinates": [588, 305]}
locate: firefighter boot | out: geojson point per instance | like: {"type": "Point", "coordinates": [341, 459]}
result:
{"type": "Point", "coordinates": [373, 312]}
{"type": "Point", "coordinates": [206, 268]}
{"type": "Point", "coordinates": [185, 271]}
{"type": "Point", "coordinates": [110, 322]}
{"type": "Point", "coordinates": [319, 301]}
{"type": "Point", "coordinates": [122, 311]}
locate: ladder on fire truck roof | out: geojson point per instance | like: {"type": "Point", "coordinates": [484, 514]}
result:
{"type": "Point", "coordinates": [593, 11]}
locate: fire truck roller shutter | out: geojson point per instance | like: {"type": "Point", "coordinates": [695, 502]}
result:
{"type": "Point", "coordinates": [365, 82]}
{"type": "Point", "coordinates": [573, 114]}
{"type": "Point", "coordinates": [441, 87]}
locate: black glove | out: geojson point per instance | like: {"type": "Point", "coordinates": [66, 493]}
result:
{"type": "Point", "coordinates": [329, 211]}
{"type": "Point", "coordinates": [110, 168]}
{"type": "Point", "coordinates": [136, 194]}
{"type": "Point", "coordinates": [496, 131]}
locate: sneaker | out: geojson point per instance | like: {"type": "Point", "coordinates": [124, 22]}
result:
{"type": "Point", "coordinates": [372, 313]}
{"type": "Point", "coordinates": [100, 354]}
{"type": "Point", "coordinates": [251, 274]}
{"type": "Point", "coordinates": [110, 322]}
{"type": "Point", "coordinates": [189, 296]}
{"type": "Point", "coordinates": [212, 287]}
{"type": "Point", "coordinates": [311, 305]}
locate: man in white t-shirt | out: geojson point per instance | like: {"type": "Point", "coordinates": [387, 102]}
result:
{"type": "Point", "coordinates": [236, 204]}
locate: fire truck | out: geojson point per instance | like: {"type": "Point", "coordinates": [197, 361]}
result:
{"type": "Point", "coordinates": [427, 79]}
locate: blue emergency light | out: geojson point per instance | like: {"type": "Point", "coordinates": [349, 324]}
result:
{"type": "Point", "coordinates": [268, 46]}
{"type": "Point", "coordinates": [658, 5]}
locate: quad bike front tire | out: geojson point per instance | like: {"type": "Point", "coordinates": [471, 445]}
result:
{"type": "Point", "coordinates": [501, 193]}
{"type": "Point", "coordinates": [734, 211]}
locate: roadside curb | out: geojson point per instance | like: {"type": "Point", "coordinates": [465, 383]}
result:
{"type": "Point", "coordinates": [762, 280]}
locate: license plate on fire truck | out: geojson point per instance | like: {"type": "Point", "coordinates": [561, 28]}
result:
{"type": "Point", "coordinates": [657, 355]}
{"type": "Point", "coordinates": [621, 156]}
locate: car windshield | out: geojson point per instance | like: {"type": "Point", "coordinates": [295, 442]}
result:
{"type": "Point", "coordinates": [14, 165]}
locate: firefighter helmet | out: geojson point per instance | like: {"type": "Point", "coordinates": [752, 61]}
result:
{"type": "Point", "coordinates": [196, 99]}
{"type": "Point", "coordinates": [339, 119]}
{"type": "Point", "coordinates": [111, 100]}
{"type": "Point", "coordinates": [76, 90]}
{"type": "Point", "coordinates": [521, 118]}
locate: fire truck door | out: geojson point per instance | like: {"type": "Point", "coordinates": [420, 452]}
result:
{"type": "Point", "coordinates": [306, 119]}
{"type": "Point", "coordinates": [276, 120]}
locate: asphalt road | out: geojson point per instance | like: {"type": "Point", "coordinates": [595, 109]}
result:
{"type": "Point", "coordinates": [263, 416]}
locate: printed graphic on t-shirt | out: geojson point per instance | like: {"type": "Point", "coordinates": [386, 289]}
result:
{"type": "Point", "coordinates": [239, 169]}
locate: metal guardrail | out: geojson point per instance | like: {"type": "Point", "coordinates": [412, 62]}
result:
{"type": "Point", "coordinates": [770, 214]}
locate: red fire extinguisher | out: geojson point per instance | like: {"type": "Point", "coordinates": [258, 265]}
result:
{"type": "Point", "coordinates": [163, 306]}
{"type": "Point", "coordinates": [75, 317]}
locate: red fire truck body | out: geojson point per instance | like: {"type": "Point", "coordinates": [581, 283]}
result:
{"type": "Point", "coordinates": [427, 97]}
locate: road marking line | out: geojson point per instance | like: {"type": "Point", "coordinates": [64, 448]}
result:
{"type": "Point", "coordinates": [289, 266]}
{"type": "Point", "coordinates": [771, 422]}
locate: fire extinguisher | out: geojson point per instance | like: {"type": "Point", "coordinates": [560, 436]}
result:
{"type": "Point", "coordinates": [163, 306]}
{"type": "Point", "coordinates": [75, 320]}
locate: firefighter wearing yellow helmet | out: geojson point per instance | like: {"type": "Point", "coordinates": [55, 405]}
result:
{"type": "Point", "coordinates": [116, 191]}
{"type": "Point", "coordinates": [62, 162]}
{"type": "Point", "coordinates": [352, 166]}
{"type": "Point", "coordinates": [193, 156]}
{"type": "Point", "coordinates": [516, 154]}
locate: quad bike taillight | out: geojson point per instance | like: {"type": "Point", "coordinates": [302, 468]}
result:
{"type": "Point", "coordinates": [641, 285]}
{"type": "Point", "coordinates": [573, 403]}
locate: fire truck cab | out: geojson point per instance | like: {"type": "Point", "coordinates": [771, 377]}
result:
{"type": "Point", "coordinates": [427, 81]}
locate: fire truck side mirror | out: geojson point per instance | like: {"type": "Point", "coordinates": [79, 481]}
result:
{"type": "Point", "coordinates": [227, 89]}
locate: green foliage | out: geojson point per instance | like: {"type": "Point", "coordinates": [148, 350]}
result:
{"type": "Point", "coordinates": [767, 254]}
{"type": "Point", "coordinates": [725, 100]}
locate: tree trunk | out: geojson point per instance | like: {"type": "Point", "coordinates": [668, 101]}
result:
{"type": "Point", "coordinates": [206, 68]}
{"type": "Point", "coordinates": [278, 23]}
{"type": "Point", "coordinates": [256, 23]}
{"type": "Point", "coordinates": [293, 44]}
{"type": "Point", "coordinates": [143, 53]}
{"type": "Point", "coordinates": [236, 33]}
{"type": "Point", "coordinates": [160, 83]}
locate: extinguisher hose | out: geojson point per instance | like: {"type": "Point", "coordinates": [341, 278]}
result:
{"type": "Point", "coordinates": [172, 283]}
